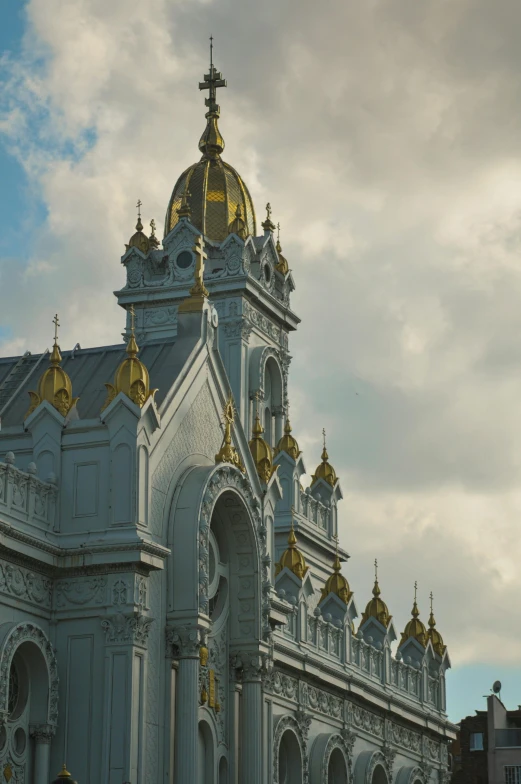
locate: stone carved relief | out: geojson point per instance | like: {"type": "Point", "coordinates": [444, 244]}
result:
{"type": "Point", "coordinates": [378, 758]}
{"type": "Point", "coordinates": [127, 629]}
{"type": "Point", "coordinates": [81, 591]}
{"type": "Point", "coordinates": [24, 584]}
{"type": "Point", "coordinates": [42, 733]}
{"type": "Point", "coordinates": [157, 317]}
{"type": "Point", "coordinates": [22, 633]}
{"type": "Point", "coordinates": [120, 591]}
{"type": "Point", "coordinates": [238, 329]}
{"type": "Point", "coordinates": [154, 664]}
{"type": "Point", "coordinates": [140, 592]}
{"type": "Point", "coordinates": [335, 742]}
{"type": "Point", "coordinates": [407, 739]}
{"type": "Point", "coordinates": [283, 724]}
{"type": "Point", "coordinates": [368, 721]}
{"type": "Point", "coordinates": [265, 325]}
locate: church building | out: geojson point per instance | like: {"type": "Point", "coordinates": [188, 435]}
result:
{"type": "Point", "coordinates": [173, 605]}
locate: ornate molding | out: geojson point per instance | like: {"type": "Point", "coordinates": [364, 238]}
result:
{"type": "Point", "coordinates": [184, 641]}
{"type": "Point", "coordinates": [283, 724]}
{"type": "Point", "coordinates": [25, 584]}
{"type": "Point", "coordinates": [251, 664]}
{"type": "Point", "coordinates": [336, 742]}
{"type": "Point", "coordinates": [239, 328]}
{"type": "Point", "coordinates": [42, 733]}
{"type": "Point", "coordinates": [22, 633]}
{"type": "Point", "coordinates": [127, 629]}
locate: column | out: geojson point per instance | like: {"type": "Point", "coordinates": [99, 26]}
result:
{"type": "Point", "coordinates": [42, 735]}
{"type": "Point", "coordinates": [186, 641]}
{"type": "Point", "coordinates": [251, 741]}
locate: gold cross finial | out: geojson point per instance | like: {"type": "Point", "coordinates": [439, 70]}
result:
{"type": "Point", "coordinates": [278, 232]}
{"type": "Point", "coordinates": [292, 516]}
{"type": "Point", "coordinates": [324, 436]}
{"type": "Point", "coordinates": [211, 51]}
{"type": "Point", "coordinates": [268, 211]}
{"type": "Point", "coordinates": [153, 226]}
{"type": "Point", "coordinates": [212, 81]}
{"type": "Point", "coordinates": [415, 589]}
{"type": "Point", "coordinates": [376, 569]}
{"type": "Point", "coordinates": [132, 317]}
{"type": "Point", "coordinates": [431, 597]}
{"type": "Point", "coordinates": [56, 325]}
{"type": "Point", "coordinates": [139, 205]}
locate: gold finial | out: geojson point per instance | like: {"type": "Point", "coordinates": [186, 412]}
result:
{"type": "Point", "coordinates": [336, 582]}
{"type": "Point", "coordinates": [292, 558]}
{"type": "Point", "coordinates": [268, 225]}
{"type": "Point", "coordinates": [415, 628]}
{"type": "Point", "coordinates": [376, 607]}
{"type": "Point", "coordinates": [282, 265]}
{"type": "Point", "coordinates": [139, 240]}
{"type": "Point", "coordinates": [325, 470]}
{"type": "Point", "coordinates": [238, 224]}
{"type": "Point", "coordinates": [227, 452]}
{"type": "Point", "coordinates": [433, 634]}
{"type": "Point", "coordinates": [211, 143]}
{"type": "Point", "coordinates": [131, 377]}
{"type": "Point", "coordinates": [261, 451]}
{"type": "Point", "coordinates": [288, 443]}
{"type": "Point", "coordinates": [184, 210]}
{"type": "Point", "coordinates": [198, 293]}
{"type": "Point", "coordinates": [153, 240]}
{"type": "Point", "coordinates": [55, 385]}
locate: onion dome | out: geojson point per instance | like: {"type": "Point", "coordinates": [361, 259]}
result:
{"type": "Point", "coordinates": [227, 453]}
{"type": "Point", "coordinates": [292, 558]}
{"type": "Point", "coordinates": [261, 452]}
{"type": "Point", "coordinates": [64, 777]}
{"type": "Point", "coordinates": [325, 470]}
{"type": "Point", "coordinates": [152, 240]}
{"type": "Point", "coordinates": [139, 240]}
{"type": "Point", "coordinates": [415, 628]}
{"type": "Point", "coordinates": [282, 265]}
{"type": "Point", "coordinates": [211, 189]}
{"type": "Point", "coordinates": [377, 608]}
{"type": "Point", "coordinates": [55, 385]}
{"type": "Point", "coordinates": [132, 376]}
{"type": "Point", "coordinates": [337, 583]}
{"type": "Point", "coordinates": [238, 226]}
{"type": "Point", "coordinates": [287, 443]}
{"type": "Point", "coordinates": [268, 224]}
{"type": "Point", "coordinates": [434, 635]}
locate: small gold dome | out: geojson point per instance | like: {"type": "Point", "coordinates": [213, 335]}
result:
{"type": "Point", "coordinates": [131, 377]}
{"type": "Point", "coordinates": [139, 240]}
{"type": "Point", "coordinates": [292, 558]}
{"type": "Point", "coordinates": [415, 628]}
{"type": "Point", "coordinates": [282, 266]}
{"type": "Point", "coordinates": [288, 444]}
{"type": "Point", "coordinates": [337, 583]}
{"type": "Point", "coordinates": [55, 385]}
{"type": "Point", "coordinates": [261, 452]}
{"type": "Point", "coordinates": [377, 608]}
{"type": "Point", "coordinates": [434, 635]}
{"type": "Point", "coordinates": [325, 470]}
{"type": "Point", "coordinates": [211, 190]}
{"type": "Point", "coordinates": [238, 226]}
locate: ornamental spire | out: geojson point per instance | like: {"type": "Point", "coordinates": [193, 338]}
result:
{"type": "Point", "coordinates": [292, 558]}
{"type": "Point", "coordinates": [198, 293]}
{"type": "Point", "coordinates": [260, 449]}
{"type": "Point", "coordinates": [55, 385]}
{"type": "Point", "coordinates": [227, 453]}
{"type": "Point", "coordinates": [211, 142]}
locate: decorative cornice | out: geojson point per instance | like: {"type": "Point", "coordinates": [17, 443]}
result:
{"type": "Point", "coordinates": [42, 733]}
{"type": "Point", "coordinates": [184, 641]}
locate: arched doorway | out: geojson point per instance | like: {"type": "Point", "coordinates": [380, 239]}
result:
{"type": "Point", "coordinates": [379, 776]}
{"type": "Point", "coordinates": [290, 760]}
{"type": "Point", "coordinates": [337, 770]}
{"type": "Point", "coordinates": [205, 767]}
{"type": "Point", "coordinates": [29, 699]}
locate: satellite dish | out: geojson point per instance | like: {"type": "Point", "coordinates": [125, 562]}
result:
{"type": "Point", "coordinates": [496, 688]}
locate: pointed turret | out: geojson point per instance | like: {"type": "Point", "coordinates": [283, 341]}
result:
{"type": "Point", "coordinates": [55, 385]}
{"type": "Point", "coordinates": [288, 443]}
{"type": "Point", "coordinates": [376, 607]}
{"type": "Point", "coordinates": [336, 582]}
{"type": "Point", "coordinates": [131, 377]}
{"type": "Point", "coordinates": [434, 635]}
{"type": "Point", "coordinates": [139, 240]}
{"type": "Point", "coordinates": [325, 470]}
{"type": "Point", "coordinates": [261, 451]}
{"type": "Point", "coordinates": [415, 629]}
{"type": "Point", "coordinates": [292, 558]}
{"type": "Point", "coordinates": [282, 265]}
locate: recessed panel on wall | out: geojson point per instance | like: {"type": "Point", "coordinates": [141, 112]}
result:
{"type": "Point", "coordinates": [79, 702]}
{"type": "Point", "coordinates": [86, 490]}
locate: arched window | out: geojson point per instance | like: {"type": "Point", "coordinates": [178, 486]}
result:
{"type": "Point", "coordinates": [272, 402]}
{"type": "Point", "coordinates": [379, 776]}
{"type": "Point", "coordinates": [337, 771]}
{"type": "Point", "coordinates": [290, 760]}
{"type": "Point", "coordinates": [205, 764]}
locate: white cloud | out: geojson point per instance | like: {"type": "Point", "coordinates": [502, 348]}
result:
{"type": "Point", "coordinates": [387, 140]}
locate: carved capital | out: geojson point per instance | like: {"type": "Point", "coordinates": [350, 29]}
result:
{"type": "Point", "coordinates": [127, 629]}
{"type": "Point", "coordinates": [42, 733]}
{"type": "Point", "coordinates": [389, 756]}
{"type": "Point", "coordinates": [184, 641]}
{"type": "Point", "coordinates": [303, 720]}
{"type": "Point", "coordinates": [250, 664]}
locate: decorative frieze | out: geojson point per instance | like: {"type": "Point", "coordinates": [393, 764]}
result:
{"type": "Point", "coordinates": [22, 583]}
{"type": "Point", "coordinates": [81, 591]}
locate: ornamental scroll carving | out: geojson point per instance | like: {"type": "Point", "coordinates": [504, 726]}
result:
{"type": "Point", "coordinates": [127, 629]}
{"type": "Point", "coordinates": [23, 633]}
{"type": "Point", "coordinates": [81, 591]}
{"type": "Point", "coordinates": [334, 742]}
{"type": "Point", "coordinates": [25, 584]}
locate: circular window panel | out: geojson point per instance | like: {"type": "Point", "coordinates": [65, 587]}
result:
{"type": "Point", "coordinates": [184, 260]}
{"type": "Point", "coordinates": [20, 739]}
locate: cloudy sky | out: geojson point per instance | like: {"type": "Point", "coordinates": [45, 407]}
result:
{"type": "Point", "coordinates": [386, 135]}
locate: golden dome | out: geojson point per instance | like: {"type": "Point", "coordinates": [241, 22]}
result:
{"type": "Point", "coordinates": [434, 635]}
{"type": "Point", "coordinates": [337, 583]}
{"type": "Point", "coordinates": [377, 608]}
{"type": "Point", "coordinates": [325, 470]}
{"type": "Point", "coordinates": [292, 558]}
{"type": "Point", "coordinates": [287, 443]}
{"type": "Point", "coordinates": [139, 240]}
{"type": "Point", "coordinates": [211, 189]}
{"type": "Point", "coordinates": [282, 266]}
{"type": "Point", "coordinates": [132, 376]}
{"type": "Point", "coordinates": [261, 452]}
{"type": "Point", "coordinates": [415, 628]}
{"type": "Point", "coordinates": [55, 385]}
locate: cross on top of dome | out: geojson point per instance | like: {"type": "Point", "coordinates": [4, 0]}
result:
{"type": "Point", "coordinates": [212, 80]}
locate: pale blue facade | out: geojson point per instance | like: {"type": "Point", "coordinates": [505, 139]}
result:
{"type": "Point", "coordinates": [125, 549]}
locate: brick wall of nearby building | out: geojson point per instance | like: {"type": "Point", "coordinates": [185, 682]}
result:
{"type": "Point", "coordinates": [470, 767]}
